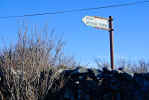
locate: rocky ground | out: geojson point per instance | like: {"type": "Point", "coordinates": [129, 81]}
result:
{"type": "Point", "coordinates": [92, 84]}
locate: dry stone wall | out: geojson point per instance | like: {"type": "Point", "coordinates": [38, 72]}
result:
{"type": "Point", "coordinates": [93, 84]}
{"type": "Point", "coordinates": [87, 84]}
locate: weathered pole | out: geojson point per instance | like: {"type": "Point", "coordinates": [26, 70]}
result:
{"type": "Point", "coordinates": [111, 42]}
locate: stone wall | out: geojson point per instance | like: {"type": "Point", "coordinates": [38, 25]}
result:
{"type": "Point", "coordinates": [88, 84]}
{"type": "Point", "coordinates": [92, 84]}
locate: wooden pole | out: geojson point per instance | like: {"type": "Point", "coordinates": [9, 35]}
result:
{"type": "Point", "coordinates": [111, 42]}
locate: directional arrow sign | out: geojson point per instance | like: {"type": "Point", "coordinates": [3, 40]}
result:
{"type": "Point", "coordinates": [96, 22]}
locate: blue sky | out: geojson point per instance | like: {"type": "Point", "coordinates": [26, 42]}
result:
{"type": "Point", "coordinates": [83, 42]}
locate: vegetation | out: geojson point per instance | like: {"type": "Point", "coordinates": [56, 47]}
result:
{"type": "Point", "coordinates": [29, 68]}
{"type": "Point", "coordinates": [141, 66]}
{"type": "Point", "coordinates": [27, 65]}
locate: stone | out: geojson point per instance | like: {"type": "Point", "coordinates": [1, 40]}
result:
{"type": "Point", "coordinates": [96, 72]}
{"type": "Point", "coordinates": [92, 84]}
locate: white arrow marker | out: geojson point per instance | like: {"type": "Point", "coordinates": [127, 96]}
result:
{"type": "Point", "coordinates": [96, 22]}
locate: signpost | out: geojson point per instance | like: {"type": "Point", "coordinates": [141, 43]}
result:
{"type": "Point", "coordinates": [96, 22]}
{"type": "Point", "coordinates": [105, 24]}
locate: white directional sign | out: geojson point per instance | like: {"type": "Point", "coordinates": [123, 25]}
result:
{"type": "Point", "coordinates": [97, 22]}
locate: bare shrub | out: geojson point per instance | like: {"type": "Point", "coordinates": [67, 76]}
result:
{"type": "Point", "coordinates": [140, 66]}
{"type": "Point", "coordinates": [102, 63]}
{"type": "Point", "coordinates": [14, 88]}
{"type": "Point", "coordinates": [28, 65]}
{"type": "Point", "coordinates": [34, 51]}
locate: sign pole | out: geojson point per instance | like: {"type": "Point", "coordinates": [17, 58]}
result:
{"type": "Point", "coordinates": [111, 42]}
{"type": "Point", "coordinates": [105, 24]}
